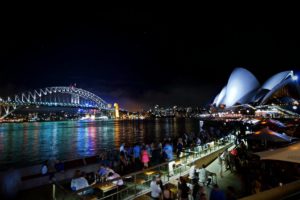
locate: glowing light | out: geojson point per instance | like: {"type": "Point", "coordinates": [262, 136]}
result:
{"type": "Point", "coordinates": [295, 107]}
{"type": "Point", "coordinates": [295, 78]}
{"type": "Point", "coordinates": [117, 115]}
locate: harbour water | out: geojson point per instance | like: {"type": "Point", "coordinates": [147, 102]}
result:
{"type": "Point", "coordinates": [23, 144]}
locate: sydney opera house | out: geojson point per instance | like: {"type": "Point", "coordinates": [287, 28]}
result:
{"type": "Point", "coordinates": [244, 89]}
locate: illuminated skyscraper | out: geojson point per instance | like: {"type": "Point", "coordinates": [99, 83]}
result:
{"type": "Point", "coordinates": [117, 115]}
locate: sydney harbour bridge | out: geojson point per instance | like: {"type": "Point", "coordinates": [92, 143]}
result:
{"type": "Point", "coordinates": [52, 96]}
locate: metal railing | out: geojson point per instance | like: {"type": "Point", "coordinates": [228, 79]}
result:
{"type": "Point", "coordinates": [138, 183]}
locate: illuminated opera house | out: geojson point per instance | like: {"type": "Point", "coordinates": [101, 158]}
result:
{"type": "Point", "coordinates": [244, 89]}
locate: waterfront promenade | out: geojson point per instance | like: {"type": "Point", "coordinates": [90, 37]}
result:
{"type": "Point", "coordinates": [136, 184]}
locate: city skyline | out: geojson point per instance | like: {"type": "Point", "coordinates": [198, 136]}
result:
{"type": "Point", "coordinates": [140, 58]}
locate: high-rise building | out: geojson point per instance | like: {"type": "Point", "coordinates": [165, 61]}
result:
{"type": "Point", "coordinates": [117, 115]}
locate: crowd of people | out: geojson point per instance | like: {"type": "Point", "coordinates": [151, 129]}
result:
{"type": "Point", "coordinates": [260, 175]}
{"type": "Point", "coordinates": [254, 174]}
{"type": "Point", "coordinates": [189, 191]}
{"type": "Point", "coordinates": [141, 156]}
{"type": "Point", "coordinates": [131, 158]}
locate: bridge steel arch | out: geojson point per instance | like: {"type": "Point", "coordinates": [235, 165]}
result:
{"type": "Point", "coordinates": [10, 104]}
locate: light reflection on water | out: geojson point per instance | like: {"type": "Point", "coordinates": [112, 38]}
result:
{"type": "Point", "coordinates": [24, 144]}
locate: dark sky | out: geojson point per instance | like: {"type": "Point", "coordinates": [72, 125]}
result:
{"type": "Point", "coordinates": [142, 57]}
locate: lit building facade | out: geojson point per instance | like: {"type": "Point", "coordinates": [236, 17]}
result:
{"type": "Point", "coordinates": [243, 88]}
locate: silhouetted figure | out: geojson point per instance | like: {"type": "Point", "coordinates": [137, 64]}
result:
{"type": "Point", "coordinates": [10, 184]}
{"type": "Point", "coordinates": [217, 194]}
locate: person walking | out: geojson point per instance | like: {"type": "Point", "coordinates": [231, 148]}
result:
{"type": "Point", "coordinates": [184, 190]}
{"type": "Point", "coordinates": [220, 162]}
{"type": "Point", "coordinates": [203, 176]}
{"type": "Point", "coordinates": [167, 194]}
{"type": "Point", "coordinates": [217, 194]}
{"type": "Point", "coordinates": [195, 192]}
{"type": "Point", "coordinates": [227, 160]}
{"type": "Point", "coordinates": [198, 192]}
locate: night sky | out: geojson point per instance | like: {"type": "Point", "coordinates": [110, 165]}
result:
{"type": "Point", "coordinates": [142, 57]}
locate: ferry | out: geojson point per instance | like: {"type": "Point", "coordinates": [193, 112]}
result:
{"type": "Point", "coordinates": [93, 117]}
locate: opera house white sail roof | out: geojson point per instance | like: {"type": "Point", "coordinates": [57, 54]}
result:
{"type": "Point", "coordinates": [243, 88]}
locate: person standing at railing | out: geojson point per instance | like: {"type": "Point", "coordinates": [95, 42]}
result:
{"type": "Point", "coordinates": [159, 182]}
{"type": "Point", "coordinates": [103, 158]}
{"type": "Point", "coordinates": [179, 147]}
{"type": "Point", "coordinates": [122, 147]}
{"type": "Point", "coordinates": [136, 156]}
{"type": "Point", "coordinates": [185, 139]}
{"type": "Point", "coordinates": [44, 169]}
{"type": "Point", "coordinates": [168, 149]}
{"type": "Point", "coordinates": [145, 157]}
{"type": "Point", "coordinates": [155, 189]}
{"type": "Point", "coordinates": [156, 155]}
{"type": "Point", "coordinates": [123, 162]}
{"type": "Point", "coordinates": [192, 173]}
{"type": "Point", "coordinates": [149, 150]}
{"type": "Point", "coordinates": [129, 154]}
{"type": "Point", "coordinates": [59, 166]}
{"type": "Point", "coordinates": [160, 147]}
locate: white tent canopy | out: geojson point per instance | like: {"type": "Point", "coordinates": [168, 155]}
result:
{"type": "Point", "coordinates": [289, 154]}
{"type": "Point", "coordinates": [268, 135]}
